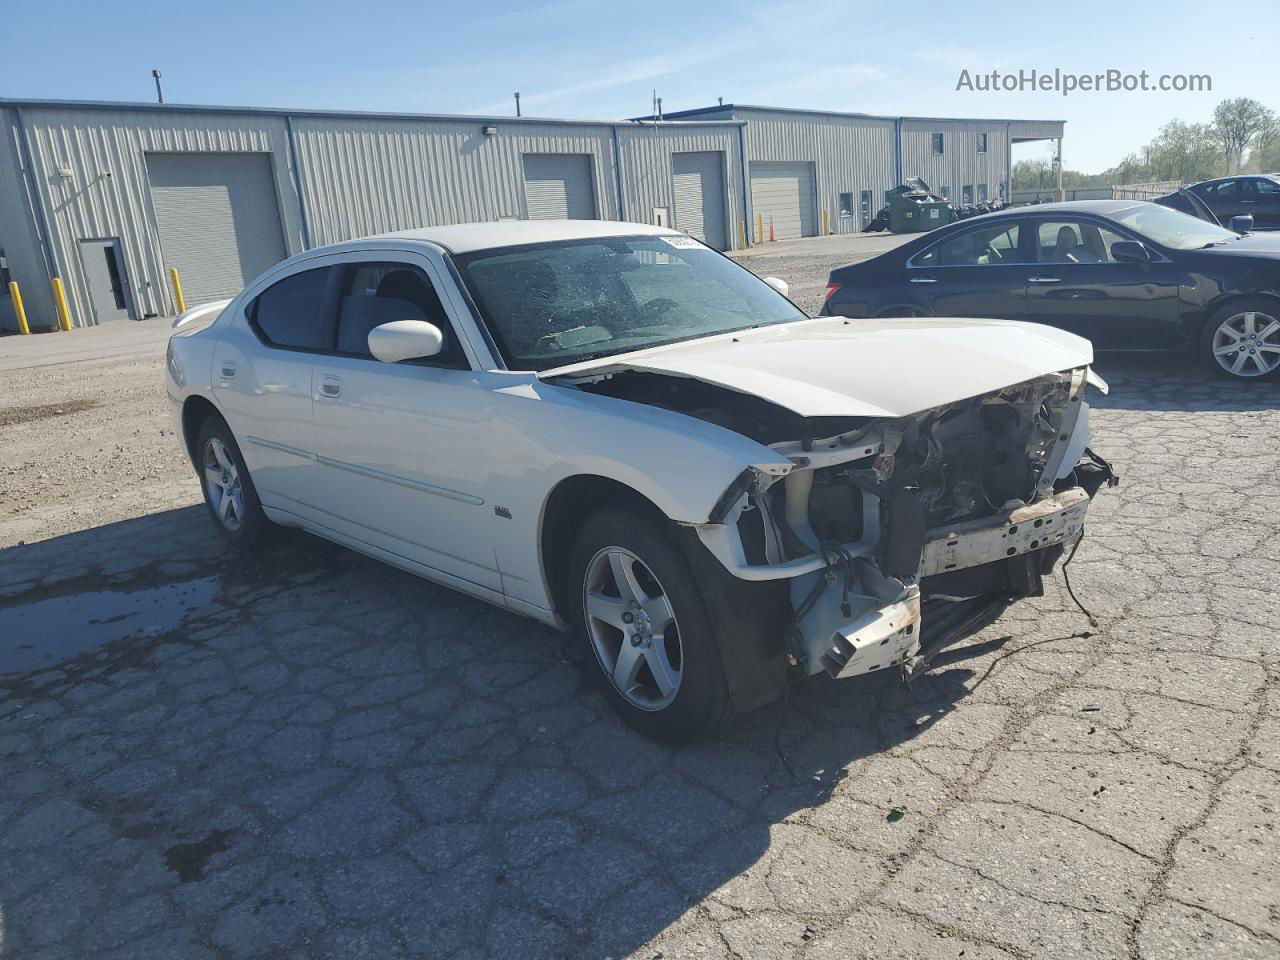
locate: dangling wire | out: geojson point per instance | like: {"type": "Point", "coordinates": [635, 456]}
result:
{"type": "Point", "coordinates": [1066, 578]}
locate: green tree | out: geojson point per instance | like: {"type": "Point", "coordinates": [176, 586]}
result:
{"type": "Point", "coordinates": [1238, 122]}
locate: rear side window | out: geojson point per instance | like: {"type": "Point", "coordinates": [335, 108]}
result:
{"type": "Point", "coordinates": [294, 313]}
{"type": "Point", "coordinates": [375, 293]}
{"type": "Point", "coordinates": [985, 246]}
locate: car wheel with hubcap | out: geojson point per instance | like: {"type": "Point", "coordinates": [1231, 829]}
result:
{"type": "Point", "coordinates": [1242, 340]}
{"type": "Point", "coordinates": [648, 636]}
{"type": "Point", "coordinates": [228, 490]}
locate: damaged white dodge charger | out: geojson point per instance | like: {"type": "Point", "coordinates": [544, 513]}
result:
{"type": "Point", "coordinates": [616, 430]}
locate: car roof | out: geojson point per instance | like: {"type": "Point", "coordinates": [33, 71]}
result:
{"type": "Point", "coordinates": [1236, 176]}
{"type": "Point", "coordinates": [1103, 207]}
{"type": "Point", "coordinates": [469, 237]}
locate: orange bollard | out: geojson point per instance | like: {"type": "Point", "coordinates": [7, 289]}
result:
{"type": "Point", "coordinates": [771, 229]}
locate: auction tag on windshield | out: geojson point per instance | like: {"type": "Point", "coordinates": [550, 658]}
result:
{"type": "Point", "coordinates": [681, 241]}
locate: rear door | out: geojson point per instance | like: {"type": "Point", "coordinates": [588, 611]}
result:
{"type": "Point", "coordinates": [977, 272]}
{"type": "Point", "coordinates": [1076, 285]}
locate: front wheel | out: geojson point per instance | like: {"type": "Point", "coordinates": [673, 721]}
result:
{"type": "Point", "coordinates": [1242, 340]}
{"type": "Point", "coordinates": [648, 637]}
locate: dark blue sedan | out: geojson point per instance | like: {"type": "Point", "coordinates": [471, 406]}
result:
{"type": "Point", "coordinates": [1127, 275]}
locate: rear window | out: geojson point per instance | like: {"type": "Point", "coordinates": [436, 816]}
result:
{"type": "Point", "coordinates": [293, 312]}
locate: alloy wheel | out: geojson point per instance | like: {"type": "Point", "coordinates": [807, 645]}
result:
{"type": "Point", "coordinates": [1247, 344]}
{"type": "Point", "coordinates": [222, 481]}
{"type": "Point", "coordinates": [632, 628]}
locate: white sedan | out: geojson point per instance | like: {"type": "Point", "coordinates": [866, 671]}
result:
{"type": "Point", "coordinates": [616, 430]}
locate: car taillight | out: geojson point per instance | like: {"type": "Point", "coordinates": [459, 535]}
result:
{"type": "Point", "coordinates": [831, 292]}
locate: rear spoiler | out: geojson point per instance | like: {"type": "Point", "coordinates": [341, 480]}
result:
{"type": "Point", "coordinates": [208, 312]}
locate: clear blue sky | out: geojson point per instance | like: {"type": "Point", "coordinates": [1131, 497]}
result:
{"type": "Point", "coordinates": [572, 58]}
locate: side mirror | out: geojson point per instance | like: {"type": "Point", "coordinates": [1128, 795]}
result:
{"type": "Point", "coordinates": [1129, 251]}
{"type": "Point", "coordinates": [780, 285]}
{"type": "Point", "coordinates": [1241, 224]}
{"type": "Point", "coordinates": [405, 340]}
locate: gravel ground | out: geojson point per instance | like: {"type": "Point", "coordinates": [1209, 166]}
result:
{"type": "Point", "coordinates": [309, 754]}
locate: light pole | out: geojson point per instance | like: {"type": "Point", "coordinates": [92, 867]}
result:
{"type": "Point", "coordinates": [159, 91]}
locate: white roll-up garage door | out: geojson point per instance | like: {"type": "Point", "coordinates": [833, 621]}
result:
{"type": "Point", "coordinates": [218, 219]}
{"type": "Point", "coordinates": [783, 193]}
{"type": "Point", "coordinates": [557, 186]}
{"type": "Point", "coordinates": [699, 195]}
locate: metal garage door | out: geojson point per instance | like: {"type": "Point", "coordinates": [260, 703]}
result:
{"type": "Point", "coordinates": [699, 194]}
{"type": "Point", "coordinates": [557, 186]}
{"type": "Point", "coordinates": [218, 219]}
{"type": "Point", "coordinates": [783, 193]}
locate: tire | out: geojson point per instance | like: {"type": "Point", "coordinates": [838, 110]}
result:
{"type": "Point", "coordinates": [1253, 326]}
{"type": "Point", "coordinates": [664, 648]}
{"type": "Point", "coordinates": [229, 493]}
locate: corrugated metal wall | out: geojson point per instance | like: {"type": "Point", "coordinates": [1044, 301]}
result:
{"type": "Point", "coordinates": [647, 180]}
{"type": "Point", "coordinates": [365, 176]}
{"type": "Point", "coordinates": [850, 154]}
{"type": "Point", "coordinates": [106, 193]}
{"type": "Point", "coordinates": [18, 233]}
{"type": "Point", "coordinates": [960, 164]}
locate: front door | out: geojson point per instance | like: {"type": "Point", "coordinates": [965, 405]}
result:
{"type": "Point", "coordinates": [105, 278]}
{"type": "Point", "coordinates": [401, 446]}
{"type": "Point", "coordinates": [1076, 284]}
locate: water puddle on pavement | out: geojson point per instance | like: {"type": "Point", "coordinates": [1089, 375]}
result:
{"type": "Point", "coordinates": [45, 633]}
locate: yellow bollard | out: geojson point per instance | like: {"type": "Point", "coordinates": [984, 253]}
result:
{"type": "Point", "coordinates": [759, 228]}
{"type": "Point", "coordinates": [60, 301]}
{"type": "Point", "coordinates": [18, 308]}
{"type": "Point", "coordinates": [177, 290]}
{"type": "Point", "coordinates": [742, 234]}
{"type": "Point", "coordinates": [826, 224]}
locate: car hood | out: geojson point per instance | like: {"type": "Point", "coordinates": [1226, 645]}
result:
{"type": "Point", "coordinates": [1263, 244]}
{"type": "Point", "coordinates": [833, 367]}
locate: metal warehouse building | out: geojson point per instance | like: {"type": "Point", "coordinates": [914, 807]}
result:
{"type": "Point", "coordinates": [108, 197]}
{"type": "Point", "coordinates": [814, 172]}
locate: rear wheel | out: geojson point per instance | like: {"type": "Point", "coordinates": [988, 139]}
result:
{"type": "Point", "coordinates": [1242, 340]}
{"type": "Point", "coordinates": [647, 634]}
{"type": "Point", "coordinates": [228, 490]}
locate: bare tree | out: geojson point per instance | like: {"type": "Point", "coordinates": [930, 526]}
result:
{"type": "Point", "coordinates": [1237, 123]}
{"type": "Point", "coordinates": [1263, 154]}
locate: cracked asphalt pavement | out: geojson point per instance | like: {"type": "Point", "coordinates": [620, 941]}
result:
{"type": "Point", "coordinates": [310, 754]}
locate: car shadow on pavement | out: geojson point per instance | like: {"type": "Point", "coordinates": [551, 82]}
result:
{"type": "Point", "coordinates": [1166, 381]}
{"type": "Point", "coordinates": [311, 751]}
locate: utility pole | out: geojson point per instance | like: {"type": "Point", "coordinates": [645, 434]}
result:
{"type": "Point", "coordinates": [159, 92]}
{"type": "Point", "coordinates": [517, 103]}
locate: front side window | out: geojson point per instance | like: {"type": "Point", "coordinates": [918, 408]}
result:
{"type": "Point", "coordinates": [1075, 241]}
{"type": "Point", "coordinates": [1262, 188]}
{"type": "Point", "coordinates": [374, 293]}
{"type": "Point", "coordinates": [294, 312]}
{"type": "Point", "coordinates": [987, 246]}
{"type": "Point", "coordinates": [552, 304]}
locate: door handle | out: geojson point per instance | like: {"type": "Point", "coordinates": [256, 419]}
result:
{"type": "Point", "coordinates": [331, 386]}
{"type": "Point", "coordinates": [227, 369]}
{"type": "Point", "coordinates": [1044, 279]}
{"type": "Point", "coordinates": [923, 280]}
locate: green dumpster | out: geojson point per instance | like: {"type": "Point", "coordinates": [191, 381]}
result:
{"type": "Point", "coordinates": [914, 208]}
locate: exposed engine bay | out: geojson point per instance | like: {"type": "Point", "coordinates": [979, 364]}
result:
{"type": "Point", "coordinates": [899, 536]}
